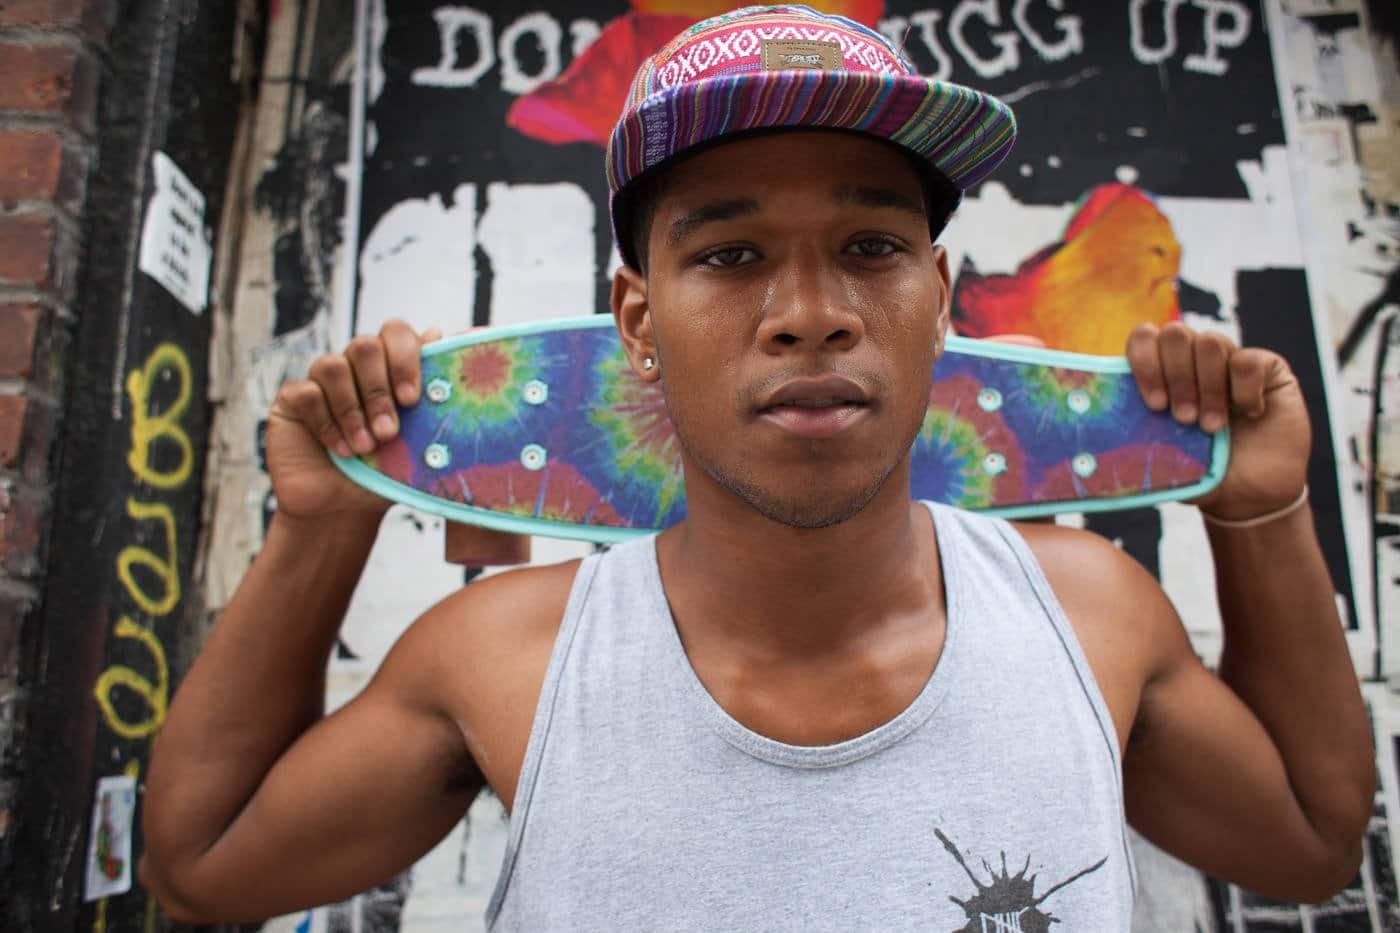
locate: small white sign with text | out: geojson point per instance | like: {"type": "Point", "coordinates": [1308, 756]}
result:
{"type": "Point", "coordinates": [175, 250]}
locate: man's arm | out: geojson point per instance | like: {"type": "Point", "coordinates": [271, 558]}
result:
{"type": "Point", "coordinates": [255, 803]}
{"type": "Point", "coordinates": [1264, 774]}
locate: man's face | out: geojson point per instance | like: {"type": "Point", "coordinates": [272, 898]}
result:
{"type": "Point", "coordinates": [793, 300]}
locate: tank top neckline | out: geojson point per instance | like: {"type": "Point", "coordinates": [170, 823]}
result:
{"type": "Point", "coordinates": [883, 736]}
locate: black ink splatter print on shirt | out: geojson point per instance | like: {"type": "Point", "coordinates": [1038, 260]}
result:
{"type": "Point", "coordinates": [1007, 904]}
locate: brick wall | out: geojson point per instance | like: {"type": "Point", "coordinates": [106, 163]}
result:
{"type": "Point", "coordinates": [50, 59]}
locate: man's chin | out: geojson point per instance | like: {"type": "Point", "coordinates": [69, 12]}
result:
{"type": "Point", "coordinates": [814, 510]}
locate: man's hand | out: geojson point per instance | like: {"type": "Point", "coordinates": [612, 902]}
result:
{"type": "Point", "coordinates": [346, 404]}
{"type": "Point", "coordinates": [1205, 379]}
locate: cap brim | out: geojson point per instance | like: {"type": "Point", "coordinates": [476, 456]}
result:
{"type": "Point", "coordinates": [962, 133]}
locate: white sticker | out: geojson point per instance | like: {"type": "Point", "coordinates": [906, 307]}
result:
{"type": "Point", "coordinates": [174, 249]}
{"type": "Point", "coordinates": [109, 842]}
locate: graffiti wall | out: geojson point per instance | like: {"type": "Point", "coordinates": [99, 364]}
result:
{"type": "Point", "coordinates": [119, 594]}
{"type": "Point", "coordinates": [1228, 163]}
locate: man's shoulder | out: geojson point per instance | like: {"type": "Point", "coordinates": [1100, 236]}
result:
{"type": "Point", "coordinates": [495, 630]}
{"type": "Point", "coordinates": [515, 607]}
{"type": "Point", "coordinates": [1084, 568]}
{"type": "Point", "coordinates": [1105, 593]}
{"type": "Point", "coordinates": [1054, 545]}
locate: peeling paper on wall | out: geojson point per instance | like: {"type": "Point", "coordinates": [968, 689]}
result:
{"type": "Point", "coordinates": [109, 839]}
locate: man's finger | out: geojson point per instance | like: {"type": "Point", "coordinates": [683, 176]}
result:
{"type": "Point", "coordinates": [1147, 366]}
{"type": "Point", "coordinates": [403, 351]}
{"type": "Point", "coordinates": [1213, 380]}
{"type": "Point", "coordinates": [1249, 377]}
{"type": "Point", "coordinates": [371, 369]}
{"type": "Point", "coordinates": [303, 400]}
{"type": "Point", "coordinates": [1179, 371]}
{"type": "Point", "coordinates": [332, 374]}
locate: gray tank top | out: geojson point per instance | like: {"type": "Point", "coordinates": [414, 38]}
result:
{"type": "Point", "coordinates": [993, 802]}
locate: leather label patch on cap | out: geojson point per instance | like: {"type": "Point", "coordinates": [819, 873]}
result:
{"type": "Point", "coordinates": [789, 54]}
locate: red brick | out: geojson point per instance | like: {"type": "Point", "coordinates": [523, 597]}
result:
{"type": "Point", "coordinates": [22, 533]}
{"type": "Point", "coordinates": [19, 329]}
{"type": "Point", "coordinates": [30, 165]}
{"type": "Point", "coordinates": [26, 249]}
{"type": "Point", "coordinates": [40, 12]}
{"type": "Point", "coordinates": [89, 16]}
{"type": "Point", "coordinates": [11, 428]}
{"type": "Point", "coordinates": [35, 166]}
{"type": "Point", "coordinates": [51, 79]}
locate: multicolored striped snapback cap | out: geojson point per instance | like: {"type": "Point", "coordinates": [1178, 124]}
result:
{"type": "Point", "coordinates": [772, 67]}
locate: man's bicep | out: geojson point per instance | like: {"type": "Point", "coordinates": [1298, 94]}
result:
{"type": "Point", "coordinates": [1204, 780]}
{"type": "Point", "coordinates": [356, 799]}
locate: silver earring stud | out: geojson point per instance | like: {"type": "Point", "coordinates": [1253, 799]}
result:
{"type": "Point", "coordinates": [648, 364]}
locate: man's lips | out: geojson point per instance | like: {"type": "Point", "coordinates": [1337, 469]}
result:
{"type": "Point", "coordinates": [815, 407]}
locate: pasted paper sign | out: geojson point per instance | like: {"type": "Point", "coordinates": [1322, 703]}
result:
{"type": "Point", "coordinates": [174, 250]}
{"type": "Point", "coordinates": [109, 842]}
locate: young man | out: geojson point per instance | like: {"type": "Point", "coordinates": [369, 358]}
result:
{"type": "Point", "coordinates": [814, 704]}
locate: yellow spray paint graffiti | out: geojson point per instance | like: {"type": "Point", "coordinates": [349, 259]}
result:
{"type": "Point", "coordinates": [148, 427]}
{"type": "Point", "coordinates": [155, 694]}
{"type": "Point", "coordinates": [166, 568]}
{"type": "Point", "coordinates": [150, 577]}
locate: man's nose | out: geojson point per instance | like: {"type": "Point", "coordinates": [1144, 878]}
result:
{"type": "Point", "coordinates": [809, 308]}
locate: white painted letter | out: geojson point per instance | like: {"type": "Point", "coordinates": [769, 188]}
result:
{"type": "Point", "coordinates": [541, 243]}
{"type": "Point", "coordinates": [1211, 63]}
{"type": "Point", "coordinates": [1168, 47]}
{"type": "Point", "coordinates": [583, 32]}
{"type": "Point", "coordinates": [451, 20]}
{"type": "Point", "coordinates": [927, 21]}
{"type": "Point", "coordinates": [1071, 28]}
{"type": "Point", "coordinates": [547, 32]}
{"type": "Point", "coordinates": [986, 10]}
{"type": "Point", "coordinates": [419, 263]}
{"type": "Point", "coordinates": [894, 28]}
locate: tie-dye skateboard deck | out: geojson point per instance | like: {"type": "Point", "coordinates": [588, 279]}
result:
{"type": "Point", "coordinates": [544, 429]}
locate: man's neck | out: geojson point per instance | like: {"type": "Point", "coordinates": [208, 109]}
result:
{"type": "Point", "coordinates": [734, 575]}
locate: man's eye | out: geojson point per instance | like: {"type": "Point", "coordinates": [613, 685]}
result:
{"type": "Point", "coordinates": [730, 256]}
{"type": "Point", "coordinates": [874, 246]}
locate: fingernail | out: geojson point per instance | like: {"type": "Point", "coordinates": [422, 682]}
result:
{"type": "Point", "coordinates": [384, 426]}
{"type": "Point", "coordinates": [407, 393]}
{"type": "Point", "coordinates": [1156, 400]}
{"type": "Point", "coordinates": [362, 441]}
{"type": "Point", "coordinates": [342, 449]}
{"type": "Point", "coordinates": [1185, 412]}
{"type": "Point", "coordinates": [1212, 423]}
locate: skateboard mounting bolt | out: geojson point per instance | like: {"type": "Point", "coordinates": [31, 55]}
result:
{"type": "Point", "coordinates": [533, 457]}
{"type": "Point", "coordinates": [437, 456]}
{"type": "Point", "coordinates": [1084, 465]}
{"type": "Point", "coordinates": [994, 463]}
{"type": "Point", "coordinates": [989, 399]}
{"type": "Point", "coordinates": [438, 391]}
{"type": "Point", "coordinates": [1078, 401]}
{"type": "Point", "coordinates": [536, 392]}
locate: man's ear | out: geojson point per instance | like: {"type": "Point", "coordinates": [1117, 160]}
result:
{"type": "Point", "coordinates": [632, 314]}
{"type": "Point", "coordinates": [945, 294]}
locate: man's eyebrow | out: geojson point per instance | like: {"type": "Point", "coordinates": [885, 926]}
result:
{"type": "Point", "coordinates": [727, 209]}
{"type": "Point", "coordinates": [870, 196]}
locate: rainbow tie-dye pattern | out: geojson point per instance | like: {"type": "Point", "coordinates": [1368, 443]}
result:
{"type": "Point", "coordinates": [547, 430]}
